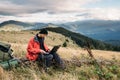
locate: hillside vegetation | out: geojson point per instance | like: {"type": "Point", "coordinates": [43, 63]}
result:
{"type": "Point", "coordinates": [78, 39]}
{"type": "Point", "coordinates": [81, 40]}
{"type": "Point", "coordinates": [79, 66]}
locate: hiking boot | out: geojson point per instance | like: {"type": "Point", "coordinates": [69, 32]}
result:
{"type": "Point", "coordinates": [47, 69]}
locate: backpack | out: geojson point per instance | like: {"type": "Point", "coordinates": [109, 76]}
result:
{"type": "Point", "coordinates": [5, 52]}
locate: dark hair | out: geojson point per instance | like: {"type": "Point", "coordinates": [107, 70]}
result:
{"type": "Point", "coordinates": [43, 31]}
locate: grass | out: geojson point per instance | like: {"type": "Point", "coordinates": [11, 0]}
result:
{"type": "Point", "coordinates": [79, 66]}
{"type": "Point", "coordinates": [72, 72]}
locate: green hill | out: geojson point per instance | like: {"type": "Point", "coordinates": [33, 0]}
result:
{"type": "Point", "coordinates": [81, 40]}
{"type": "Point", "coordinates": [15, 23]}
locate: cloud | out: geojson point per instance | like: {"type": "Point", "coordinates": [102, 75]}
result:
{"type": "Point", "coordinates": [32, 6]}
{"type": "Point", "coordinates": [42, 17]}
{"type": "Point", "coordinates": [100, 13]}
{"type": "Point", "coordinates": [54, 11]}
{"type": "Point", "coordinates": [85, 14]}
{"type": "Point", "coordinates": [111, 30]}
{"type": "Point", "coordinates": [9, 8]}
{"type": "Point", "coordinates": [106, 13]}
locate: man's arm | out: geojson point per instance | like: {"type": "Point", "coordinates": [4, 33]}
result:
{"type": "Point", "coordinates": [46, 47]}
{"type": "Point", "coordinates": [31, 48]}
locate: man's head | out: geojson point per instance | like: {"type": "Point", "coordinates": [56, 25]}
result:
{"type": "Point", "coordinates": [43, 33]}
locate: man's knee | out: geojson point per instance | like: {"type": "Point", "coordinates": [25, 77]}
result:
{"type": "Point", "coordinates": [50, 56]}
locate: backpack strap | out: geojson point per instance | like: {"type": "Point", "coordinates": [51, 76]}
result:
{"type": "Point", "coordinates": [9, 64]}
{"type": "Point", "coordinates": [9, 53]}
{"type": "Point", "coordinates": [3, 57]}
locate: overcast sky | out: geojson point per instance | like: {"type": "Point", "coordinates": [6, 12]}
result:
{"type": "Point", "coordinates": [59, 10]}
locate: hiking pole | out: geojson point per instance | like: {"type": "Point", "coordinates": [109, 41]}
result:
{"type": "Point", "coordinates": [97, 65]}
{"type": "Point", "coordinates": [88, 48]}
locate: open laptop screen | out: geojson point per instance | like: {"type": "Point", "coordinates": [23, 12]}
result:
{"type": "Point", "coordinates": [54, 49]}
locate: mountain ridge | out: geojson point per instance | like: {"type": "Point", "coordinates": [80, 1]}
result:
{"type": "Point", "coordinates": [97, 29]}
{"type": "Point", "coordinates": [82, 40]}
{"type": "Point", "coordinates": [36, 26]}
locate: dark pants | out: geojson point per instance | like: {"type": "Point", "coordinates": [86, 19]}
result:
{"type": "Point", "coordinates": [57, 59]}
{"type": "Point", "coordinates": [45, 59]}
{"type": "Point", "coordinates": [48, 58]}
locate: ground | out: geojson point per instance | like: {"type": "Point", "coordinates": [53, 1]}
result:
{"type": "Point", "coordinates": [19, 40]}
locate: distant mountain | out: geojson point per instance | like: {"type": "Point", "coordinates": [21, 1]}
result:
{"type": "Point", "coordinates": [70, 29]}
{"type": "Point", "coordinates": [113, 42]}
{"type": "Point", "coordinates": [24, 25]}
{"type": "Point", "coordinates": [97, 29]}
{"type": "Point", "coordinates": [15, 23]}
{"type": "Point", "coordinates": [81, 40]}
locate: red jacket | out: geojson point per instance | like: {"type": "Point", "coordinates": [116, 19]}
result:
{"type": "Point", "coordinates": [34, 49]}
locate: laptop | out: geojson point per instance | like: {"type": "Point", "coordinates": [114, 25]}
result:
{"type": "Point", "coordinates": [54, 49]}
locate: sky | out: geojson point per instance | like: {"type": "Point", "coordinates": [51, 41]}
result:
{"type": "Point", "coordinates": [48, 11]}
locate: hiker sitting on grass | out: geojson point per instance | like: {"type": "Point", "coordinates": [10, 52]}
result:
{"type": "Point", "coordinates": [37, 50]}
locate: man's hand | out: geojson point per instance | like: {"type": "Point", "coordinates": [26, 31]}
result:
{"type": "Point", "coordinates": [49, 51]}
{"type": "Point", "coordinates": [42, 51]}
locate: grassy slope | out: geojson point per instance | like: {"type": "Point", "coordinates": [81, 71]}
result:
{"type": "Point", "coordinates": [81, 40]}
{"type": "Point", "coordinates": [11, 27]}
{"type": "Point", "coordinates": [19, 41]}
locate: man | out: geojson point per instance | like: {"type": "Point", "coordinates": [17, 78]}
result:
{"type": "Point", "coordinates": [37, 50]}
